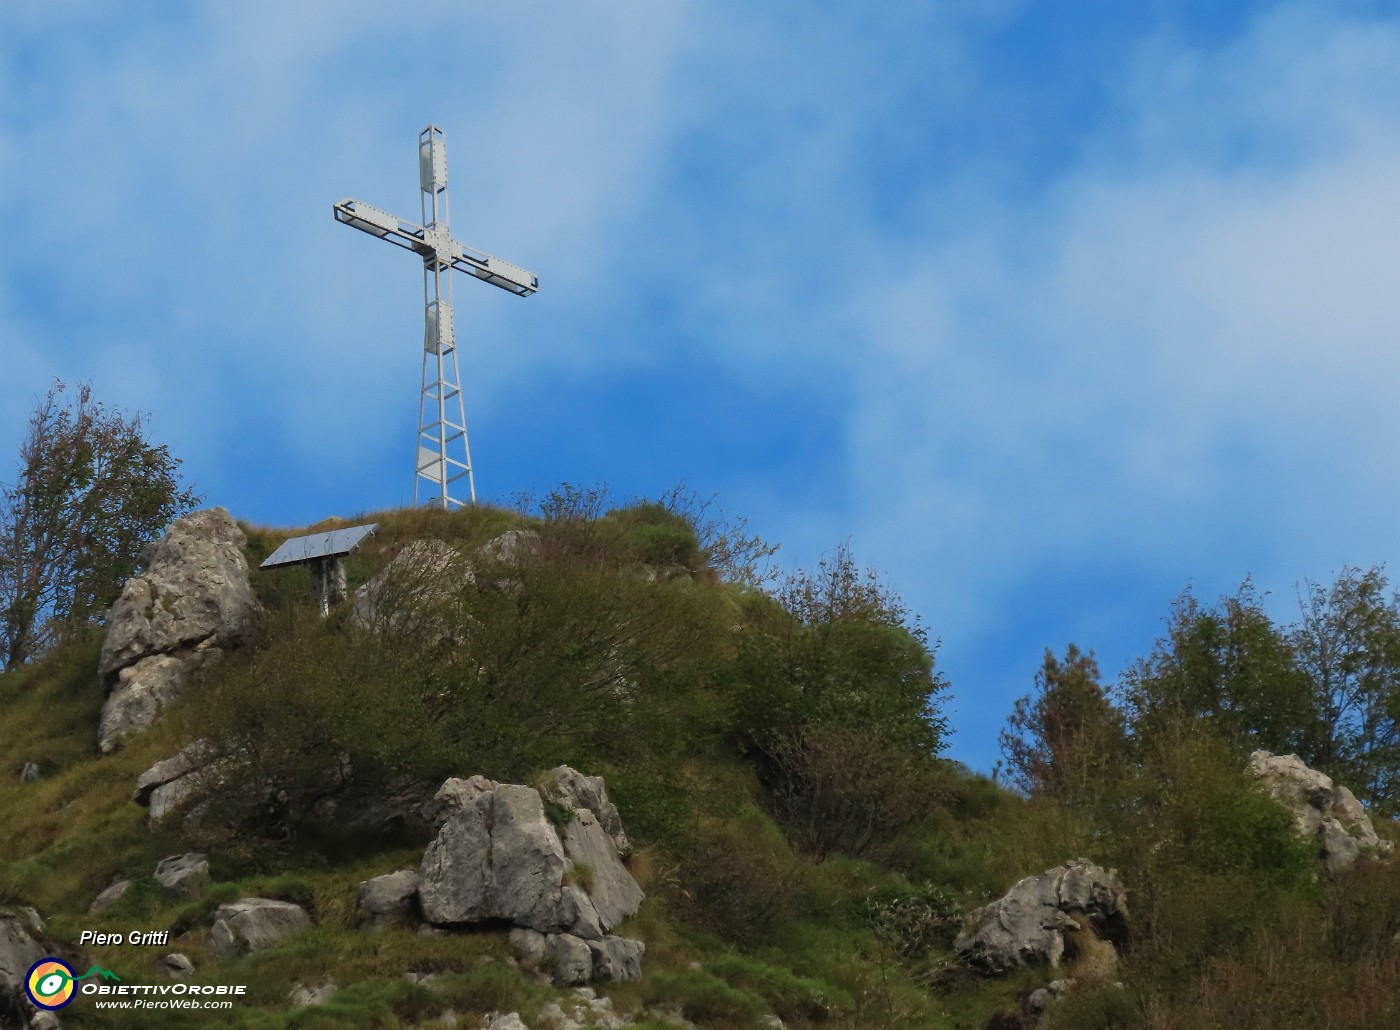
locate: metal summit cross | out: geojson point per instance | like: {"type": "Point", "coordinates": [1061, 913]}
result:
{"type": "Point", "coordinates": [444, 456]}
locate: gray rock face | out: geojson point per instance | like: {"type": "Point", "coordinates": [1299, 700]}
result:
{"type": "Point", "coordinates": [498, 856]}
{"type": "Point", "coordinates": [191, 599]}
{"type": "Point", "coordinates": [303, 995]}
{"type": "Point", "coordinates": [184, 876]}
{"type": "Point", "coordinates": [508, 1021]}
{"type": "Point", "coordinates": [1322, 811]}
{"type": "Point", "coordinates": [453, 796]}
{"type": "Point", "coordinates": [572, 961]}
{"type": "Point", "coordinates": [176, 965]}
{"type": "Point", "coordinates": [23, 942]}
{"type": "Point", "coordinates": [252, 924]}
{"type": "Point", "coordinates": [140, 693]}
{"type": "Point", "coordinates": [29, 772]}
{"type": "Point", "coordinates": [173, 783]}
{"type": "Point", "coordinates": [20, 948]}
{"type": "Point", "coordinates": [1029, 924]}
{"type": "Point", "coordinates": [617, 959]}
{"type": "Point", "coordinates": [393, 896]}
{"type": "Point", "coordinates": [110, 896]}
{"type": "Point", "coordinates": [581, 792]}
{"type": "Point", "coordinates": [408, 594]}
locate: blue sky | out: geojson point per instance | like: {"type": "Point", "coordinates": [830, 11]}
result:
{"type": "Point", "coordinates": [1048, 310]}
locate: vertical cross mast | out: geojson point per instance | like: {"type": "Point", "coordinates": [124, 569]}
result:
{"type": "Point", "coordinates": [442, 379]}
{"type": "Point", "coordinates": [442, 419]}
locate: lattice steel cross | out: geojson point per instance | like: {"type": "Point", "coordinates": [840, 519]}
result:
{"type": "Point", "coordinates": [444, 455]}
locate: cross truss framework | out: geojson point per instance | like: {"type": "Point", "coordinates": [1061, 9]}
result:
{"type": "Point", "coordinates": [444, 454]}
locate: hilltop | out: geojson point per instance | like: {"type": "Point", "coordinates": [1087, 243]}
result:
{"type": "Point", "coordinates": [594, 766]}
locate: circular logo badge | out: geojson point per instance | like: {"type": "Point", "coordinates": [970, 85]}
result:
{"type": "Point", "coordinates": [50, 983]}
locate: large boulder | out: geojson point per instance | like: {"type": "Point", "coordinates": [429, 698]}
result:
{"type": "Point", "coordinates": [184, 876]}
{"type": "Point", "coordinates": [177, 784]}
{"type": "Point", "coordinates": [408, 595]}
{"type": "Point", "coordinates": [1322, 811]}
{"type": "Point", "coordinates": [499, 856]}
{"type": "Point", "coordinates": [23, 941]}
{"type": "Point", "coordinates": [252, 924]}
{"type": "Point", "coordinates": [389, 898]}
{"type": "Point", "coordinates": [190, 600]}
{"type": "Point", "coordinates": [1033, 921]}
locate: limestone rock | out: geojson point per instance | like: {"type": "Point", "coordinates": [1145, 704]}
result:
{"type": "Point", "coordinates": [588, 792]}
{"type": "Point", "coordinates": [570, 959]}
{"type": "Point", "coordinates": [1320, 810]}
{"type": "Point", "coordinates": [176, 965]}
{"type": "Point", "coordinates": [409, 592]}
{"type": "Point", "coordinates": [508, 1021]}
{"type": "Point", "coordinates": [192, 591]}
{"type": "Point", "coordinates": [303, 995]}
{"type": "Point", "coordinates": [502, 558]}
{"type": "Point", "coordinates": [454, 794]}
{"type": "Point", "coordinates": [499, 857]}
{"type": "Point", "coordinates": [389, 897]}
{"type": "Point", "coordinates": [1029, 924]}
{"type": "Point", "coordinates": [140, 693]}
{"type": "Point", "coordinates": [20, 948]}
{"type": "Point", "coordinates": [512, 547]}
{"type": "Point", "coordinates": [29, 772]}
{"type": "Point", "coordinates": [252, 924]}
{"type": "Point", "coordinates": [190, 599]}
{"type": "Point", "coordinates": [109, 896]}
{"type": "Point", "coordinates": [185, 876]}
{"type": "Point", "coordinates": [24, 941]}
{"type": "Point", "coordinates": [173, 783]}
{"type": "Point", "coordinates": [617, 959]}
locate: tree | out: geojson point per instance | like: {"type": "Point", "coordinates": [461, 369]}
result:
{"type": "Point", "coordinates": [1348, 643]}
{"type": "Point", "coordinates": [1227, 669]}
{"type": "Point", "coordinates": [90, 492]}
{"type": "Point", "coordinates": [1065, 739]}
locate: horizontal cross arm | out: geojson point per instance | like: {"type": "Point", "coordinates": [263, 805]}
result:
{"type": "Point", "coordinates": [493, 270]}
{"type": "Point", "coordinates": [434, 242]}
{"type": "Point", "coordinates": [362, 216]}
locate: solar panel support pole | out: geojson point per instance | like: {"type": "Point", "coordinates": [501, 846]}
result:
{"type": "Point", "coordinates": [444, 453]}
{"type": "Point", "coordinates": [327, 582]}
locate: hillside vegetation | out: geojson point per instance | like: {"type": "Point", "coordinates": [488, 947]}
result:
{"type": "Point", "coordinates": [774, 750]}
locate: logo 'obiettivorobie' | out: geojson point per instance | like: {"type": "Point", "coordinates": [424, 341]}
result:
{"type": "Point", "coordinates": [50, 982]}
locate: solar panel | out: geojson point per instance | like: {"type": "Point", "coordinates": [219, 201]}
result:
{"type": "Point", "coordinates": [318, 545]}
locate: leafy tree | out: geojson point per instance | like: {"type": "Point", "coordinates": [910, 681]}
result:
{"type": "Point", "coordinates": [838, 709]}
{"type": "Point", "coordinates": [1065, 739]}
{"type": "Point", "coordinates": [1348, 643]}
{"type": "Point", "coordinates": [1231, 669]}
{"type": "Point", "coordinates": [91, 491]}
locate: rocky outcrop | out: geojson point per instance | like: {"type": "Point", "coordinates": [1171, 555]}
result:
{"type": "Point", "coordinates": [389, 898]}
{"type": "Point", "coordinates": [24, 940]}
{"type": "Point", "coordinates": [499, 857]}
{"type": "Point", "coordinates": [555, 874]}
{"type": "Point", "coordinates": [176, 965]}
{"type": "Point", "coordinates": [1039, 919]}
{"type": "Point", "coordinates": [109, 896]}
{"type": "Point", "coordinates": [588, 793]}
{"type": "Point", "coordinates": [184, 876]}
{"type": "Point", "coordinates": [303, 995]}
{"type": "Point", "coordinates": [1322, 811]}
{"type": "Point", "coordinates": [408, 595]}
{"type": "Point", "coordinates": [191, 600]}
{"type": "Point", "coordinates": [171, 785]}
{"type": "Point", "coordinates": [252, 924]}
{"type": "Point", "coordinates": [570, 961]}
